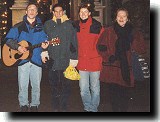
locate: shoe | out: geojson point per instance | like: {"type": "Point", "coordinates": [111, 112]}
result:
{"type": "Point", "coordinates": [86, 111]}
{"type": "Point", "coordinates": [34, 109]}
{"type": "Point", "coordinates": [24, 108]}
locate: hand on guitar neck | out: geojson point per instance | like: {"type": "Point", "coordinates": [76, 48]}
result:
{"type": "Point", "coordinates": [45, 44]}
{"type": "Point", "coordinates": [53, 42]}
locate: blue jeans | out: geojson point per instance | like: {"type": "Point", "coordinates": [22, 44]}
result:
{"type": "Point", "coordinates": [90, 89]}
{"type": "Point", "coordinates": [29, 72]}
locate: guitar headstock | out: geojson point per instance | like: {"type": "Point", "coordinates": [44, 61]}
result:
{"type": "Point", "coordinates": [55, 42]}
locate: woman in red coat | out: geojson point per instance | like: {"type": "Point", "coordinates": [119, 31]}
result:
{"type": "Point", "coordinates": [115, 46]}
{"type": "Point", "coordinates": [89, 61]}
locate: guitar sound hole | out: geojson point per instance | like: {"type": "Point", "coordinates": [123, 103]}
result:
{"type": "Point", "coordinates": [17, 56]}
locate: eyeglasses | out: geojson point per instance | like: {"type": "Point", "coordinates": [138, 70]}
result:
{"type": "Point", "coordinates": [34, 10]}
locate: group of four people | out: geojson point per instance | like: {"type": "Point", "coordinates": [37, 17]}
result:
{"type": "Point", "coordinates": [99, 54]}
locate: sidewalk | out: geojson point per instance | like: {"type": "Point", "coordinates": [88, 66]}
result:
{"type": "Point", "coordinates": [139, 102]}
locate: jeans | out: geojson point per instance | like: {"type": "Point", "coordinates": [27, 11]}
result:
{"type": "Point", "coordinates": [60, 88]}
{"type": "Point", "coordinates": [29, 72]}
{"type": "Point", "coordinates": [90, 89]}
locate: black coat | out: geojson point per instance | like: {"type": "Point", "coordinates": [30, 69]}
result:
{"type": "Point", "coordinates": [67, 49]}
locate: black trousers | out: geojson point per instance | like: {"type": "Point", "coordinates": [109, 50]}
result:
{"type": "Point", "coordinates": [119, 96]}
{"type": "Point", "coordinates": [60, 87]}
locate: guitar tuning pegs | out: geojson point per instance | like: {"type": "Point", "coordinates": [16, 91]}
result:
{"type": "Point", "coordinates": [52, 44]}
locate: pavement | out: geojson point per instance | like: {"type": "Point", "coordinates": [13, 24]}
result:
{"type": "Point", "coordinates": [139, 101]}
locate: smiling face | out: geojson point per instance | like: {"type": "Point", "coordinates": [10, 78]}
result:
{"type": "Point", "coordinates": [31, 12]}
{"type": "Point", "coordinates": [84, 13]}
{"type": "Point", "coordinates": [122, 17]}
{"type": "Point", "coordinates": [58, 12]}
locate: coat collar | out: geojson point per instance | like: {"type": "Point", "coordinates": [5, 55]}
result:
{"type": "Point", "coordinates": [63, 18]}
{"type": "Point", "coordinates": [88, 23]}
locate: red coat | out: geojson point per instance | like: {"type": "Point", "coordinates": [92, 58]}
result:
{"type": "Point", "coordinates": [88, 34]}
{"type": "Point", "coordinates": [112, 73]}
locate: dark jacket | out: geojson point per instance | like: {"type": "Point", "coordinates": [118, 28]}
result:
{"type": "Point", "coordinates": [67, 49]}
{"type": "Point", "coordinates": [34, 35]}
{"type": "Point", "coordinates": [88, 34]}
{"type": "Point", "coordinates": [111, 73]}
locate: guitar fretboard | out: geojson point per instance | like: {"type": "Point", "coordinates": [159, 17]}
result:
{"type": "Point", "coordinates": [53, 42]}
{"type": "Point", "coordinates": [34, 46]}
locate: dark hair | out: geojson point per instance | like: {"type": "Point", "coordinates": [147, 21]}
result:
{"type": "Point", "coordinates": [57, 5]}
{"type": "Point", "coordinates": [122, 9]}
{"type": "Point", "coordinates": [86, 5]}
{"type": "Point", "coordinates": [31, 3]}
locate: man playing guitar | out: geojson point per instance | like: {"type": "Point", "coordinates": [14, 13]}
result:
{"type": "Point", "coordinates": [30, 29]}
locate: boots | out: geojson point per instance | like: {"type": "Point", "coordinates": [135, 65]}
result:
{"type": "Point", "coordinates": [33, 109]}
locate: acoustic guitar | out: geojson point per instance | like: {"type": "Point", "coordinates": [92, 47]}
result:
{"type": "Point", "coordinates": [12, 57]}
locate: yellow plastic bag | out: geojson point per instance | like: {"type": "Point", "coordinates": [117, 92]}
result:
{"type": "Point", "coordinates": [71, 73]}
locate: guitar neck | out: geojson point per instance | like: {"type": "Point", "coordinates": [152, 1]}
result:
{"type": "Point", "coordinates": [34, 46]}
{"type": "Point", "coordinates": [53, 42]}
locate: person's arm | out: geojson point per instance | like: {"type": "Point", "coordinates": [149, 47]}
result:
{"type": "Point", "coordinates": [44, 54]}
{"type": "Point", "coordinates": [45, 42]}
{"type": "Point", "coordinates": [73, 49]}
{"type": "Point", "coordinates": [101, 44]}
{"type": "Point", "coordinates": [11, 38]}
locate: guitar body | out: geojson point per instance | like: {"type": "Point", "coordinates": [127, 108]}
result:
{"type": "Point", "coordinates": [12, 57]}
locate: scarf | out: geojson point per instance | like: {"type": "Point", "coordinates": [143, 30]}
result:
{"type": "Point", "coordinates": [83, 21]}
{"type": "Point", "coordinates": [122, 45]}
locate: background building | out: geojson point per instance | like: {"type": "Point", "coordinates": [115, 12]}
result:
{"type": "Point", "coordinates": [12, 11]}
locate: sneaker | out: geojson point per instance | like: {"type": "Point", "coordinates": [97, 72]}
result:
{"type": "Point", "coordinates": [24, 108]}
{"type": "Point", "coordinates": [85, 111]}
{"type": "Point", "coordinates": [34, 109]}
